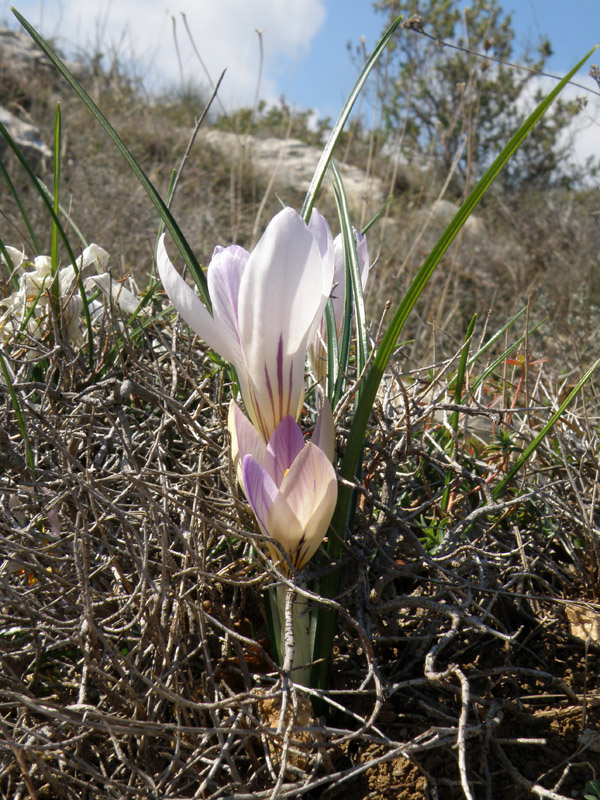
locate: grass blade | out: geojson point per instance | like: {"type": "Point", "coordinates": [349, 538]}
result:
{"type": "Point", "coordinates": [520, 461]}
{"type": "Point", "coordinates": [509, 350]}
{"type": "Point", "coordinates": [459, 385]}
{"type": "Point", "coordinates": [333, 358]}
{"type": "Point", "coordinates": [388, 343]}
{"type": "Point", "coordinates": [20, 420]}
{"type": "Point", "coordinates": [354, 306]}
{"type": "Point", "coordinates": [20, 206]}
{"type": "Point", "coordinates": [54, 258]}
{"type": "Point", "coordinates": [491, 341]}
{"type": "Point", "coordinates": [68, 217]}
{"type": "Point", "coordinates": [330, 584]}
{"type": "Point", "coordinates": [317, 178]}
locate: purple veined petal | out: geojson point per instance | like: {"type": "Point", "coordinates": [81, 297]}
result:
{"type": "Point", "coordinates": [260, 490]}
{"type": "Point", "coordinates": [261, 416]}
{"type": "Point", "coordinates": [284, 445]}
{"type": "Point", "coordinates": [224, 276]}
{"type": "Point", "coordinates": [245, 440]}
{"type": "Point", "coordinates": [310, 491]}
{"type": "Point", "coordinates": [281, 292]}
{"type": "Point", "coordinates": [324, 433]}
{"type": "Point", "coordinates": [190, 306]}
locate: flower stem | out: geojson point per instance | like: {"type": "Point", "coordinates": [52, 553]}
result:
{"type": "Point", "coordinates": [294, 623]}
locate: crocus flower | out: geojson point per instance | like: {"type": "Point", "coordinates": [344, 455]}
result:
{"type": "Point", "coordinates": [318, 350]}
{"type": "Point", "coordinates": [290, 484]}
{"type": "Point", "coordinates": [31, 301]}
{"type": "Point", "coordinates": [267, 306]}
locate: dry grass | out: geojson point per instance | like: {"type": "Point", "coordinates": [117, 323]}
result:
{"type": "Point", "coordinates": [133, 653]}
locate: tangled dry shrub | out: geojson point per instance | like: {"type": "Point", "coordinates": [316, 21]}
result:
{"type": "Point", "coordinates": [133, 653]}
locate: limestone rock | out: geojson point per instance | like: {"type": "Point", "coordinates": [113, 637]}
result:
{"type": "Point", "coordinates": [290, 164]}
{"type": "Point", "coordinates": [20, 56]}
{"type": "Point", "coordinates": [26, 136]}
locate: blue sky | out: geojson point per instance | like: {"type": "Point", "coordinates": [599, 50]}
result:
{"type": "Point", "coordinates": [326, 75]}
{"type": "Point", "coordinates": [304, 41]}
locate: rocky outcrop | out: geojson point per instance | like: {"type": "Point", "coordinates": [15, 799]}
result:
{"type": "Point", "coordinates": [26, 136]}
{"type": "Point", "coordinates": [21, 60]}
{"type": "Point", "coordinates": [291, 163]}
{"type": "Point", "coordinates": [21, 57]}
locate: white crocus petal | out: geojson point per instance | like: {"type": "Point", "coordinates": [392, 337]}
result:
{"type": "Point", "coordinates": [43, 265]}
{"type": "Point", "coordinates": [32, 283]}
{"type": "Point", "coordinates": [339, 278]}
{"type": "Point", "coordinates": [189, 305]}
{"type": "Point", "coordinates": [72, 319]}
{"type": "Point", "coordinates": [127, 301]}
{"type": "Point", "coordinates": [283, 290]}
{"type": "Point", "coordinates": [362, 253]}
{"type": "Point", "coordinates": [267, 306]}
{"type": "Point", "coordinates": [317, 353]}
{"type": "Point", "coordinates": [319, 227]}
{"type": "Point", "coordinates": [17, 257]}
{"type": "Point", "coordinates": [310, 491]}
{"type": "Point", "coordinates": [324, 433]}
{"type": "Point", "coordinates": [93, 253]}
{"type": "Point", "coordinates": [66, 279]}
{"type": "Point", "coordinates": [338, 295]}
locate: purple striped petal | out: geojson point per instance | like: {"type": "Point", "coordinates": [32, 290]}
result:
{"type": "Point", "coordinates": [224, 275]}
{"type": "Point", "coordinates": [283, 447]}
{"type": "Point", "coordinates": [260, 489]}
{"type": "Point", "coordinates": [281, 302]}
{"type": "Point", "coordinates": [310, 491]}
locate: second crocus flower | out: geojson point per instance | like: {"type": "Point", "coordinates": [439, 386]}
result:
{"type": "Point", "coordinates": [290, 484]}
{"type": "Point", "coordinates": [334, 248]}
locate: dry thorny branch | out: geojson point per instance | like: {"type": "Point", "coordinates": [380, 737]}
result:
{"type": "Point", "coordinates": [134, 660]}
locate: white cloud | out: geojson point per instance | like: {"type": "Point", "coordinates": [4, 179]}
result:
{"type": "Point", "coordinates": [224, 32]}
{"type": "Point", "coordinates": [583, 134]}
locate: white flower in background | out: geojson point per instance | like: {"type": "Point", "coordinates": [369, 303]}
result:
{"type": "Point", "coordinates": [29, 306]}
